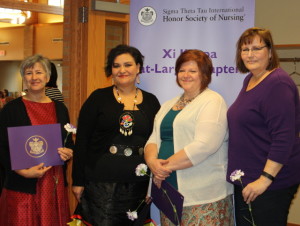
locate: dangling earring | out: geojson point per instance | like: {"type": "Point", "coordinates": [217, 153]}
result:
{"type": "Point", "coordinates": [138, 80]}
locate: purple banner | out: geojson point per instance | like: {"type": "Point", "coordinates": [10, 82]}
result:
{"type": "Point", "coordinates": [162, 29]}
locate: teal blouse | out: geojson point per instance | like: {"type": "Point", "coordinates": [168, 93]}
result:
{"type": "Point", "coordinates": [167, 144]}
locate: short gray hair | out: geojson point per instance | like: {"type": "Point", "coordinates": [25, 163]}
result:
{"type": "Point", "coordinates": [29, 62]}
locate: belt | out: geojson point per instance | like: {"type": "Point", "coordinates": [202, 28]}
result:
{"type": "Point", "coordinates": [127, 150]}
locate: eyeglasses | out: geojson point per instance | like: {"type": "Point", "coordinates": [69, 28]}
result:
{"type": "Point", "coordinates": [254, 50]}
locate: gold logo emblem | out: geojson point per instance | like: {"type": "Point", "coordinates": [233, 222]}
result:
{"type": "Point", "coordinates": [36, 146]}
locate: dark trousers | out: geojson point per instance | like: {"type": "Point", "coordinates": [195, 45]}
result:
{"type": "Point", "coordinates": [269, 209]}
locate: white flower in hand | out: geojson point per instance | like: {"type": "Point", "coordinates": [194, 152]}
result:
{"type": "Point", "coordinates": [70, 128]}
{"type": "Point", "coordinates": [236, 175]}
{"type": "Point", "coordinates": [132, 215]}
{"type": "Point", "coordinates": [141, 170]}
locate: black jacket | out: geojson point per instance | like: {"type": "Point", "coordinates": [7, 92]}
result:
{"type": "Point", "coordinates": [98, 124]}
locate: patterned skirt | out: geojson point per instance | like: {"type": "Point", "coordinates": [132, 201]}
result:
{"type": "Point", "coordinates": [48, 207]}
{"type": "Point", "coordinates": [219, 213]}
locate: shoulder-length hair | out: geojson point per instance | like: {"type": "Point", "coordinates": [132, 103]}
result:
{"type": "Point", "coordinates": [246, 38]}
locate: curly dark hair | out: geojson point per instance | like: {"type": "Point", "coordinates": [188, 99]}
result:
{"type": "Point", "coordinates": [123, 49]}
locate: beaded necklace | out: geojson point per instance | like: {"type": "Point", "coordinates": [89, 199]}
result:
{"type": "Point", "coordinates": [182, 102]}
{"type": "Point", "coordinates": [126, 119]}
{"type": "Point", "coordinates": [134, 100]}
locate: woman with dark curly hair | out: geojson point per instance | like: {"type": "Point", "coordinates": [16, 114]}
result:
{"type": "Point", "coordinates": [113, 127]}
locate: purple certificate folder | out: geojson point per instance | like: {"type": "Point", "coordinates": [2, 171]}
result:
{"type": "Point", "coordinates": [32, 145]}
{"type": "Point", "coordinates": [163, 197]}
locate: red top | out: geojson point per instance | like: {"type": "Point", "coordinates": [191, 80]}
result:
{"type": "Point", "coordinates": [49, 206]}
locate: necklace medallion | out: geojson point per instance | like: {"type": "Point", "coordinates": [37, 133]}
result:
{"type": "Point", "coordinates": [126, 119]}
{"type": "Point", "coordinates": [126, 123]}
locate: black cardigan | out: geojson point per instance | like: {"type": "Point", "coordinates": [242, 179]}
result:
{"type": "Point", "coordinates": [14, 114]}
{"type": "Point", "coordinates": [98, 124]}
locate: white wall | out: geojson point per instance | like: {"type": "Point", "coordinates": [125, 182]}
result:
{"type": "Point", "coordinates": [283, 19]}
{"type": "Point", "coordinates": [10, 78]}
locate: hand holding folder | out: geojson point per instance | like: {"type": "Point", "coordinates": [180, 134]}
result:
{"type": "Point", "coordinates": [31, 145]}
{"type": "Point", "coordinates": [168, 200]}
